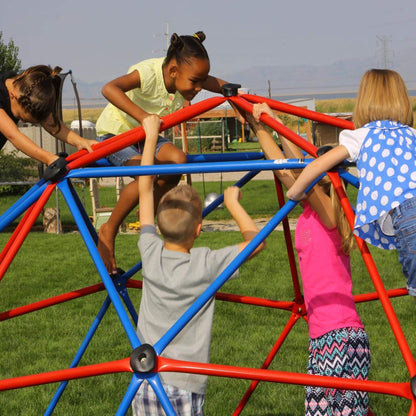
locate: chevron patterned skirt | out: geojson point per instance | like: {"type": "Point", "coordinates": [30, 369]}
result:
{"type": "Point", "coordinates": [343, 353]}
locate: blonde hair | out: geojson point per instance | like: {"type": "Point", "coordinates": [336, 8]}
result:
{"type": "Point", "coordinates": [179, 213]}
{"type": "Point", "coordinates": [343, 227]}
{"type": "Point", "coordinates": [382, 96]}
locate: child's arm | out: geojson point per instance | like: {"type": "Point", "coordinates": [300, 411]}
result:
{"type": "Point", "coordinates": [151, 125]}
{"type": "Point", "coordinates": [248, 227]}
{"type": "Point", "coordinates": [22, 142]}
{"type": "Point", "coordinates": [213, 84]}
{"type": "Point", "coordinates": [115, 92]}
{"type": "Point", "coordinates": [316, 168]}
{"type": "Point", "coordinates": [319, 201]}
{"type": "Point", "coordinates": [68, 136]}
{"type": "Point", "coordinates": [270, 149]}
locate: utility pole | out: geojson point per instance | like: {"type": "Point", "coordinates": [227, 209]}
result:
{"type": "Point", "coordinates": [385, 53]}
{"type": "Point", "coordinates": [166, 34]}
{"type": "Point", "coordinates": [270, 89]}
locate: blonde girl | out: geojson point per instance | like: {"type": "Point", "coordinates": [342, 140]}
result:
{"type": "Point", "coordinates": [384, 147]}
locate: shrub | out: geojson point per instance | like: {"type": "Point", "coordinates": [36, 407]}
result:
{"type": "Point", "coordinates": [16, 169]}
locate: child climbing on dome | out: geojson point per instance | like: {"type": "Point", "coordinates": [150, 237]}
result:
{"type": "Point", "coordinates": [323, 241]}
{"type": "Point", "coordinates": [383, 145]}
{"type": "Point", "coordinates": [154, 86]}
{"type": "Point", "coordinates": [175, 274]}
{"type": "Point", "coordinates": [32, 96]}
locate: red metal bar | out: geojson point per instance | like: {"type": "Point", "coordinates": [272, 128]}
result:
{"type": "Point", "coordinates": [275, 125]}
{"type": "Point", "coordinates": [301, 112]}
{"type": "Point", "coordinates": [19, 238]}
{"type": "Point", "coordinates": [288, 327]}
{"type": "Point", "coordinates": [392, 293]}
{"type": "Point", "coordinates": [15, 234]}
{"type": "Point", "coordinates": [31, 307]}
{"type": "Point", "coordinates": [119, 366]}
{"type": "Point", "coordinates": [382, 387]}
{"type": "Point", "coordinates": [289, 246]}
{"type": "Point", "coordinates": [83, 158]}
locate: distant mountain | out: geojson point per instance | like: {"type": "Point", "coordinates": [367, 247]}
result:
{"type": "Point", "coordinates": [285, 80]}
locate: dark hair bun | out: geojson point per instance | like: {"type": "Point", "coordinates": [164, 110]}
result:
{"type": "Point", "coordinates": [200, 36]}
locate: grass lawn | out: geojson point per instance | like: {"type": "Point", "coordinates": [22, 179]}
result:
{"type": "Point", "coordinates": [48, 339]}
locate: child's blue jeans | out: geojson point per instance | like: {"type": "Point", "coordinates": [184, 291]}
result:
{"type": "Point", "coordinates": [404, 223]}
{"type": "Point", "coordinates": [122, 156]}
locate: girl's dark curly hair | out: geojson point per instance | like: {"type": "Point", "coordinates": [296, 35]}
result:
{"type": "Point", "coordinates": [39, 91]}
{"type": "Point", "coordinates": [184, 47]}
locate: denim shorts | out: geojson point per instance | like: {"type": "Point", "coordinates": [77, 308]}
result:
{"type": "Point", "coordinates": [404, 223]}
{"type": "Point", "coordinates": [122, 156]}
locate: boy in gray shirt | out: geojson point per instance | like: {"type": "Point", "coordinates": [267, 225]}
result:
{"type": "Point", "coordinates": [174, 276]}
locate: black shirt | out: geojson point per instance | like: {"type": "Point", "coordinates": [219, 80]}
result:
{"type": "Point", "coordinates": [5, 101]}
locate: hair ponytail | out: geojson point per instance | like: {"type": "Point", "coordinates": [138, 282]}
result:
{"type": "Point", "coordinates": [39, 91]}
{"type": "Point", "coordinates": [185, 47]}
{"type": "Point", "coordinates": [343, 226]}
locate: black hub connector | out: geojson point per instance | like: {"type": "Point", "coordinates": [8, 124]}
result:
{"type": "Point", "coordinates": [413, 386]}
{"type": "Point", "coordinates": [56, 170]}
{"type": "Point", "coordinates": [323, 149]}
{"type": "Point", "coordinates": [230, 90]}
{"type": "Point", "coordinates": [143, 359]}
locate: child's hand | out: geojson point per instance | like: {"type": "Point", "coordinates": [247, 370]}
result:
{"type": "Point", "coordinates": [151, 125]}
{"type": "Point", "coordinates": [85, 144]}
{"type": "Point", "coordinates": [259, 109]}
{"type": "Point", "coordinates": [231, 195]}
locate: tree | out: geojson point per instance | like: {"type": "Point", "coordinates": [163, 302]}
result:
{"type": "Point", "coordinates": [9, 60]}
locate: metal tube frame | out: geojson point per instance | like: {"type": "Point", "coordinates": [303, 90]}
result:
{"type": "Point", "coordinates": [34, 200]}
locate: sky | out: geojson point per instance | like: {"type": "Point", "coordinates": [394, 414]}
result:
{"type": "Point", "coordinates": [99, 40]}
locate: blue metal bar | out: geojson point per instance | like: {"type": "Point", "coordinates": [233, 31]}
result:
{"type": "Point", "coordinates": [108, 283]}
{"type": "Point", "coordinates": [83, 212]}
{"type": "Point", "coordinates": [79, 354]}
{"type": "Point", "coordinates": [122, 291]}
{"type": "Point", "coordinates": [134, 385]}
{"type": "Point", "coordinates": [223, 157]}
{"type": "Point", "coordinates": [184, 168]}
{"type": "Point", "coordinates": [22, 204]}
{"type": "Point", "coordinates": [130, 273]}
{"type": "Point", "coordinates": [161, 395]}
{"type": "Point", "coordinates": [214, 204]}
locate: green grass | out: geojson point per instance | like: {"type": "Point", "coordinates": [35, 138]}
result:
{"type": "Point", "coordinates": [47, 340]}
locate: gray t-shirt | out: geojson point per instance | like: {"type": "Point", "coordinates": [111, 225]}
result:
{"type": "Point", "coordinates": [172, 281]}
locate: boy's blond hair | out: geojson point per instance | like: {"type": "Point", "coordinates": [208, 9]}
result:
{"type": "Point", "coordinates": [179, 213]}
{"type": "Point", "coordinates": [382, 96]}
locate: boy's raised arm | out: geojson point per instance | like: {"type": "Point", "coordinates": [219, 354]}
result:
{"type": "Point", "coordinates": [151, 125]}
{"type": "Point", "coordinates": [248, 227]}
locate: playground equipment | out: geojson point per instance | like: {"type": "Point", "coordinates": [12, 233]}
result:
{"type": "Point", "coordinates": [145, 361]}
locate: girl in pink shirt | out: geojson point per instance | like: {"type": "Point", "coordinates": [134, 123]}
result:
{"type": "Point", "coordinates": [338, 343]}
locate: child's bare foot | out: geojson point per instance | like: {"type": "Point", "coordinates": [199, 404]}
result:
{"type": "Point", "coordinates": [106, 248]}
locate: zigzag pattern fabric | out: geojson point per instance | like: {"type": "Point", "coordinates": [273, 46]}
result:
{"type": "Point", "coordinates": [342, 353]}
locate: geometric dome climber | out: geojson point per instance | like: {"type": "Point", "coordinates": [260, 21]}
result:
{"type": "Point", "coordinates": [144, 362]}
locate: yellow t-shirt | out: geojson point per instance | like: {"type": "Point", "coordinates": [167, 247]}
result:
{"type": "Point", "coordinates": [152, 97]}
